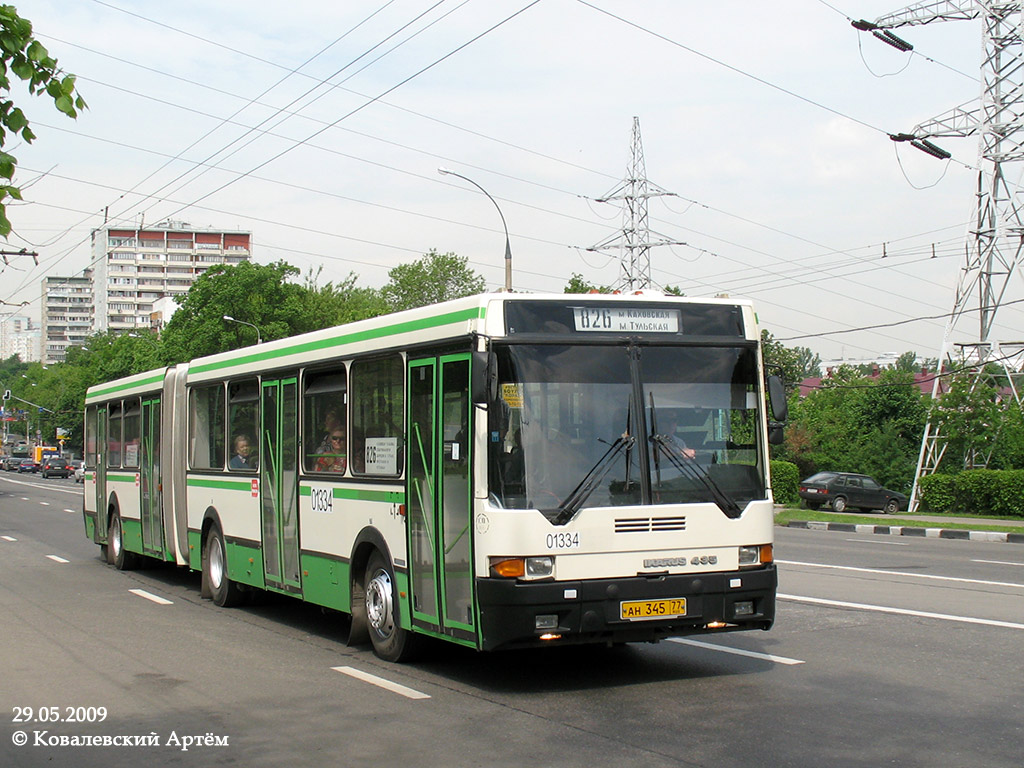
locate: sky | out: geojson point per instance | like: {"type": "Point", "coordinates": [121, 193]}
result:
{"type": "Point", "coordinates": [320, 126]}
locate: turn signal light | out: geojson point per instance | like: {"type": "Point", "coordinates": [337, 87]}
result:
{"type": "Point", "coordinates": [508, 567]}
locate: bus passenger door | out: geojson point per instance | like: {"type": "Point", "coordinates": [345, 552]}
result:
{"type": "Point", "coordinates": [101, 474]}
{"type": "Point", "coordinates": [151, 481]}
{"type": "Point", "coordinates": [438, 496]}
{"type": "Point", "coordinates": [279, 488]}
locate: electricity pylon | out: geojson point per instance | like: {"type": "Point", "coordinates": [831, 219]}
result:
{"type": "Point", "coordinates": [634, 241]}
{"type": "Point", "coordinates": [997, 236]}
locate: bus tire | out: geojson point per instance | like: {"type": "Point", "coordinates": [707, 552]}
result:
{"type": "Point", "coordinates": [223, 591]}
{"type": "Point", "coordinates": [390, 641]}
{"type": "Point", "coordinates": [117, 555]}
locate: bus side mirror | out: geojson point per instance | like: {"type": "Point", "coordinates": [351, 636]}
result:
{"type": "Point", "coordinates": [483, 378]}
{"type": "Point", "coordinates": [775, 434]}
{"type": "Point", "coordinates": [777, 398]}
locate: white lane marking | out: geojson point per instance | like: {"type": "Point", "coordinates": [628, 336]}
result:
{"type": "Point", "coordinates": [72, 511]}
{"type": "Point", "coordinates": [366, 677]}
{"type": "Point", "coordinates": [998, 562]}
{"type": "Point", "coordinates": [24, 498]}
{"type": "Point", "coordinates": [58, 559]}
{"type": "Point", "coordinates": [47, 486]}
{"type": "Point", "coordinates": [150, 596]}
{"type": "Point", "coordinates": [904, 573]}
{"type": "Point", "coordinates": [900, 611]}
{"type": "Point", "coordinates": [8, 538]}
{"type": "Point", "coordinates": [44, 503]}
{"type": "Point", "coordinates": [887, 543]}
{"type": "Point", "coordinates": [735, 651]}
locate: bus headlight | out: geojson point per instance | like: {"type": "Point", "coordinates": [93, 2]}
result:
{"type": "Point", "coordinates": [758, 555]}
{"type": "Point", "coordinates": [525, 568]}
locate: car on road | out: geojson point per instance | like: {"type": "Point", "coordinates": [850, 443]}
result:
{"type": "Point", "coordinates": [842, 490]}
{"type": "Point", "coordinates": [28, 465]}
{"type": "Point", "coordinates": [56, 467]}
{"type": "Point", "coordinates": [79, 466]}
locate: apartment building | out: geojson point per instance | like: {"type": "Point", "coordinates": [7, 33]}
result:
{"type": "Point", "coordinates": [67, 314]}
{"type": "Point", "coordinates": [19, 336]}
{"type": "Point", "coordinates": [135, 268]}
{"type": "Point", "coordinates": [135, 276]}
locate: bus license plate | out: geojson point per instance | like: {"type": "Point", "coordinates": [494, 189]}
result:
{"type": "Point", "coordinates": [639, 610]}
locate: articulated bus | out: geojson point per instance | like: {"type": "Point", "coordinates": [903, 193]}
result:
{"type": "Point", "coordinates": [501, 471]}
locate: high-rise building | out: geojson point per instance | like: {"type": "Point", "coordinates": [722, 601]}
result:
{"type": "Point", "coordinates": [135, 274]}
{"type": "Point", "coordinates": [19, 336]}
{"type": "Point", "coordinates": [133, 268]}
{"type": "Point", "coordinates": [67, 314]}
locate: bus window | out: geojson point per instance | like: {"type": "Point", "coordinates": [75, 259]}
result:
{"type": "Point", "coordinates": [243, 424]}
{"type": "Point", "coordinates": [132, 422]}
{"type": "Point", "coordinates": [114, 437]}
{"type": "Point", "coordinates": [90, 436]}
{"type": "Point", "coordinates": [324, 427]}
{"type": "Point", "coordinates": [378, 416]}
{"type": "Point", "coordinates": [206, 427]}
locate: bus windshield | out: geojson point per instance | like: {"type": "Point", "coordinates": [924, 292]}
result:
{"type": "Point", "coordinates": [566, 428]}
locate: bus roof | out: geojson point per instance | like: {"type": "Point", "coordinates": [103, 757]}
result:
{"type": "Point", "coordinates": [481, 314]}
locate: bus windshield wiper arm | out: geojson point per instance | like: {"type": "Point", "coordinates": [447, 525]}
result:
{"type": "Point", "coordinates": [691, 469]}
{"type": "Point", "coordinates": [567, 509]}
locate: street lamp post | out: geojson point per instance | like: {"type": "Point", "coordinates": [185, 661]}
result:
{"type": "Point", "coordinates": [230, 319]}
{"type": "Point", "coordinates": [508, 248]}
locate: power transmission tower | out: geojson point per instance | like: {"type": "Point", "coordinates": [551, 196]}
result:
{"type": "Point", "coordinates": [996, 239]}
{"type": "Point", "coordinates": [634, 241]}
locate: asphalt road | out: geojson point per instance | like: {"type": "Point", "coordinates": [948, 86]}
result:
{"type": "Point", "coordinates": [902, 653]}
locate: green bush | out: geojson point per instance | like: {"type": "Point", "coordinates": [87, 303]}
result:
{"type": "Point", "coordinates": [974, 491]}
{"type": "Point", "coordinates": [936, 493]}
{"type": "Point", "coordinates": [1008, 495]}
{"type": "Point", "coordinates": [785, 482]}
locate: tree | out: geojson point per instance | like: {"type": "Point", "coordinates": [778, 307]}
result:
{"type": "Point", "coordinates": [26, 57]}
{"type": "Point", "coordinates": [333, 304]}
{"type": "Point", "coordinates": [577, 284]}
{"type": "Point", "coordinates": [788, 362]}
{"type": "Point", "coordinates": [259, 294]}
{"type": "Point", "coordinates": [435, 277]}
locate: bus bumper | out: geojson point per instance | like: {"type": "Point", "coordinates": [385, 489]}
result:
{"type": "Point", "coordinates": [531, 614]}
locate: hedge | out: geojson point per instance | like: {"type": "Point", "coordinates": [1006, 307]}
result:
{"type": "Point", "coordinates": [785, 482]}
{"type": "Point", "coordinates": [998, 493]}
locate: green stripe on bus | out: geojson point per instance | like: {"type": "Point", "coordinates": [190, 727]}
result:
{"type": "Point", "coordinates": [120, 478]}
{"type": "Point", "coordinates": [355, 494]}
{"type": "Point", "coordinates": [224, 485]}
{"type": "Point", "coordinates": [154, 379]}
{"type": "Point", "coordinates": [348, 338]}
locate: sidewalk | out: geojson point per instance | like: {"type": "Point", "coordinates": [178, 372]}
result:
{"type": "Point", "coordinates": [923, 530]}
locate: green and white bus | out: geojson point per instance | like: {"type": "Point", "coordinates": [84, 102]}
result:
{"type": "Point", "coordinates": [500, 471]}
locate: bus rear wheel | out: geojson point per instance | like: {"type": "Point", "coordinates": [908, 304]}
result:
{"type": "Point", "coordinates": [390, 641]}
{"type": "Point", "coordinates": [117, 555]}
{"type": "Point", "coordinates": [223, 590]}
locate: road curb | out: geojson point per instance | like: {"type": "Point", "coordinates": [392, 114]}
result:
{"type": "Point", "coordinates": [906, 530]}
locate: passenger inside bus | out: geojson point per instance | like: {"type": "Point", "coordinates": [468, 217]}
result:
{"type": "Point", "coordinates": [334, 460]}
{"type": "Point", "coordinates": [241, 459]}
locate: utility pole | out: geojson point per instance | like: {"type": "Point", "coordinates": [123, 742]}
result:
{"type": "Point", "coordinates": [996, 238]}
{"type": "Point", "coordinates": [634, 241]}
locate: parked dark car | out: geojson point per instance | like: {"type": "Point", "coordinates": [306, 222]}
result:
{"type": "Point", "coordinates": [843, 489]}
{"type": "Point", "coordinates": [28, 465]}
{"type": "Point", "coordinates": [54, 467]}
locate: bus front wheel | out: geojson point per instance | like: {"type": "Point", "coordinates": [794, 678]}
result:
{"type": "Point", "coordinates": [390, 641]}
{"type": "Point", "coordinates": [223, 590]}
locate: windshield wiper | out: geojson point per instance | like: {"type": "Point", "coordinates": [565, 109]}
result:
{"type": "Point", "coordinates": [694, 471]}
{"type": "Point", "coordinates": [574, 501]}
